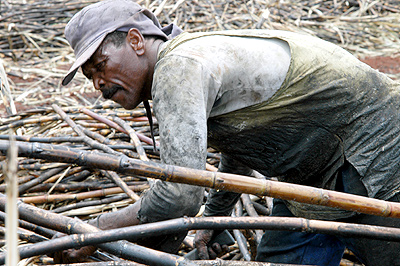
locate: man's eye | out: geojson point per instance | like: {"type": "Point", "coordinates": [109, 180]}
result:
{"type": "Point", "coordinates": [87, 75]}
{"type": "Point", "coordinates": [100, 65]}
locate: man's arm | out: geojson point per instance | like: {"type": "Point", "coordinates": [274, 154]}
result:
{"type": "Point", "coordinates": [219, 203]}
{"type": "Point", "coordinates": [181, 102]}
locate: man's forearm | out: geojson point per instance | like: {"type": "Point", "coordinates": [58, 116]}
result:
{"type": "Point", "coordinates": [221, 203]}
{"type": "Point", "coordinates": [166, 200]}
{"type": "Point", "coordinates": [121, 218]}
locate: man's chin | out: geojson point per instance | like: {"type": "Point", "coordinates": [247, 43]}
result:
{"type": "Point", "coordinates": [128, 105]}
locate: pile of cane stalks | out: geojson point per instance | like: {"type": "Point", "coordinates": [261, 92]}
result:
{"type": "Point", "coordinates": [41, 114]}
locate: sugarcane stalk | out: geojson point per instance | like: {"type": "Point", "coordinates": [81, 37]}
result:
{"type": "Point", "coordinates": [83, 204]}
{"type": "Point", "coordinates": [249, 207]}
{"type": "Point", "coordinates": [25, 235]}
{"type": "Point", "coordinates": [240, 239]}
{"type": "Point", "coordinates": [70, 172]}
{"type": "Point", "coordinates": [133, 136]}
{"type": "Point", "coordinates": [104, 108]}
{"type": "Point", "coordinates": [79, 176]}
{"type": "Point", "coordinates": [84, 185]}
{"type": "Point", "coordinates": [102, 119]}
{"type": "Point", "coordinates": [37, 120]}
{"type": "Point", "coordinates": [44, 140]}
{"type": "Point", "coordinates": [40, 166]}
{"type": "Point", "coordinates": [40, 179]}
{"type": "Point", "coordinates": [249, 235]}
{"type": "Point", "coordinates": [106, 263]}
{"type": "Point", "coordinates": [217, 262]}
{"type": "Point", "coordinates": [97, 210]}
{"type": "Point", "coordinates": [95, 144]}
{"type": "Point", "coordinates": [120, 183]}
{"type": "Point", "coordinates": [78, 130]}
{"type": "Point", "coordinates": [59, 180]}
{"type": "Point", "coordinates": [92, 125]}
{"type": "Point", "coordinates": [68, 225]}
{"type": "Point", "coordinates": [261, 209]}
{"type": "Point", "coordinates": [21, 180]}
{"type": "Point", "coordinates": [114, 125]}
{"type": "Point", "coordinates": [5, 92]}
{"type": "Point", "coordinates": [10, 171]}
{"type": "Point", "coordinates": [32, 227]}
{"type": "Point", "coordinates": [100, 138]}
{"type": "Point", "coordinates": [217, 180]}
{"type": "Point", "coordinates": [80, 196]}
{"type": "Point", "coordinates": [134, 233]}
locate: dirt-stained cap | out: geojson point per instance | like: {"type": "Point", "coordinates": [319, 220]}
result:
{"type": "Point", "coordinates": [88, 28]}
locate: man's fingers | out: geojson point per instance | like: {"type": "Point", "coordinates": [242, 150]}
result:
{"type": "Point", "coordinates": [62, 256]}
{"type": "Point", "coordinates": [73, 255]}
{"type": "Point", "coordinates": [202, 250]}
{"type": "Point", "coordinates": [212, 253]}
{"type": "Point", "coordinates": [57, 257]}
{"type": "Point", "coordinates": [225, 249]}
{"type": "Point", "coordinates": [217, 248]}
{"type": "Point", "coordinates": [76, 256]}
{"type": "Point", "coordinates": [201, 240]}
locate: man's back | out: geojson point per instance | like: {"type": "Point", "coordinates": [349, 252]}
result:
{"type": "Point", "coordinates": [301, 132]}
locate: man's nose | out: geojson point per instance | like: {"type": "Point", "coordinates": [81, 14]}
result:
{"type": "Point", "coordinates": [98, 82]}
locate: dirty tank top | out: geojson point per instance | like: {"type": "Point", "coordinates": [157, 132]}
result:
{"type": "Point", "coordinates": [330, 108]}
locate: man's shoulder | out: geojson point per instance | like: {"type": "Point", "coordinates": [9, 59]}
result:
{"type": "Point", "coordinates": [245, 33]}
{"type": "Point", "coordinates": [188, 40]}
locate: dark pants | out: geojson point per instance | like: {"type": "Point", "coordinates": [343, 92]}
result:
{"type": "Point", "coordinates": [327, 250]}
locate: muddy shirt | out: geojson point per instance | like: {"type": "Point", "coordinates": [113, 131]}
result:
{"type": "Point", "coordinates": [212, 86]}
{"type": "Point", "coordinates": [330, 108]}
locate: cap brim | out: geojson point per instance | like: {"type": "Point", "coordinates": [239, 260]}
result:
{"type": "Point", "coordinates": [82, 59]}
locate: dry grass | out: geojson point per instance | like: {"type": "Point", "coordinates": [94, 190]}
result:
{"type": "Point", "coordinates": [36, 55]}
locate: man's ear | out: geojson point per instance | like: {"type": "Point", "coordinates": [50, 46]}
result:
{"type": "Point", "coordinates": [136, 41]}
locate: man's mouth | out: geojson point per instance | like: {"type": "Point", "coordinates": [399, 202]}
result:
{"type": "Point", "coordinates": [109, 93]}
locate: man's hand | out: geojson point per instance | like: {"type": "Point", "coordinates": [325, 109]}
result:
{"type": "Point", "coordinates": [201, 240]}
{"type": "Point", "coordinates": [121, 218]}
{"type": "Point", "coordinates": [73, 255]}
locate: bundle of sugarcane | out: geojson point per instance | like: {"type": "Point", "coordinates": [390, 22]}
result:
{"type": "Point", "coordinates": [45, 125]}
{"type": "Point", "coordinates": [56, 182]}
{"type": "Point", "coordinates": [122, 164]}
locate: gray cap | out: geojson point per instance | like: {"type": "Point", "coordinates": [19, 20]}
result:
{"type": "Point", "coordinates": [88, 28]}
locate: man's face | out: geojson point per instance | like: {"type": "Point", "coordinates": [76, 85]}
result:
{"type": "Point", "coordinates": [119, 73]}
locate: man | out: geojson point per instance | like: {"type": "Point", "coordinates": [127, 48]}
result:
{"type": "Point", "coordinates": [103, 60]}
{"type": "Point", "coordinates": [285, 104]}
